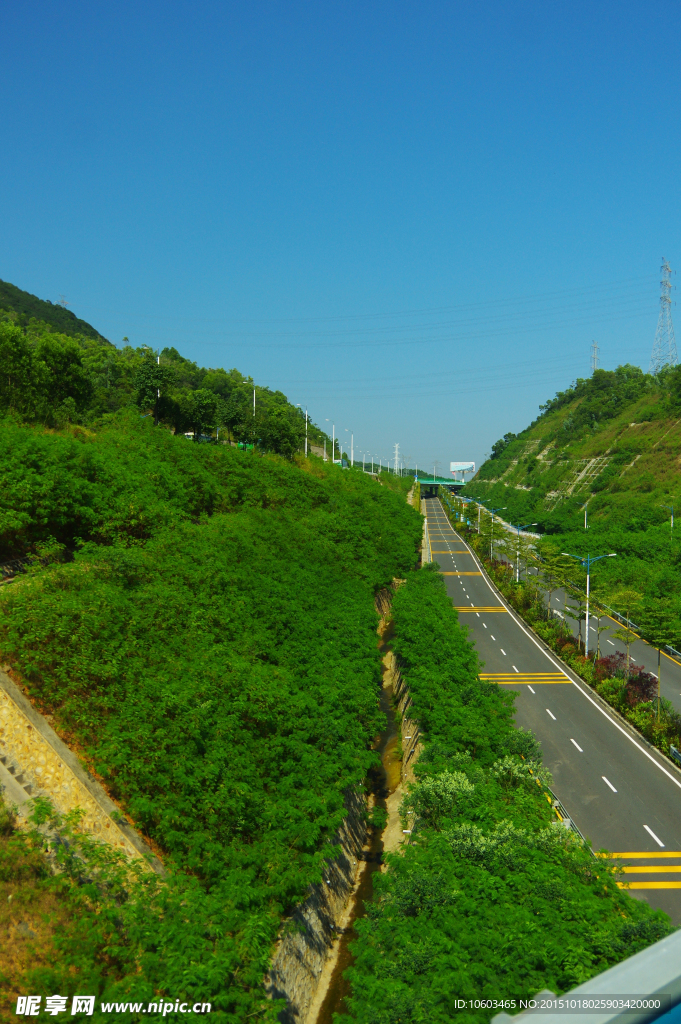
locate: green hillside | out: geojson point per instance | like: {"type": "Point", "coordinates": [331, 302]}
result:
{"type": "Point", "coordinates": [613, 442]}
{"type": "Point", "coordinates": [208, 646]}
{"type": "Point", "coordinates": [58, 370]}
{"type": "Point", "coordinates": [26, 307]}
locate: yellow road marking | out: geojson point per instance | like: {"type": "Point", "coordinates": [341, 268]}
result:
{"type": "Point", "coordinates": [649, 885]}
{"type": "Point", "coordinates": [533, 675]}
{"type": "Point", "coordinates": [649, 869]}
{"type": "Point", "coordinates": [636, 856]}
{"type": "Point", "coordinates": [479, 608]}
{"type": "Point", "coordinates": [460, 574]}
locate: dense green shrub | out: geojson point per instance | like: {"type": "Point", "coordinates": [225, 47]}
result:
{"type": "Point", "coordinates": [491, 898]}
{"type": "Point", "coordinates": [209, 648]}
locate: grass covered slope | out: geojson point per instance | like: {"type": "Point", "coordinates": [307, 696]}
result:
{"type": "Point", "coordinates": [210, 650]}
{"type": "Point", "coordinates": [491, 899]}
{"type": "Point", "coordinates": [614, 441]}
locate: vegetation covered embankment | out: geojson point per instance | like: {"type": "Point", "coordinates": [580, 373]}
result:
{"type": "Point", "coordinates": [613, 442]}
{"type": "Point", "coordinates": [492, 898]}
{"type": "Point", "coordinates": [199, 623]}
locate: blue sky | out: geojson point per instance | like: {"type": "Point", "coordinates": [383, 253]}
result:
{"type": "Point", "coordinates": [413, 218]}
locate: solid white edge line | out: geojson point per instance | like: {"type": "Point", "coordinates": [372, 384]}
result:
{"type": "Point", "coordinates": [677, 782]}
{"type": "Point", "coordinates": [650, 832]}
{"type": "Point", "coordinates": [577, 745]}
{"type": "Point", "coordinates": [608, 783]}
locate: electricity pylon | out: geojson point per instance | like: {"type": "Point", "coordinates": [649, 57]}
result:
{"type": "Point", "coordinates": [594, 356]}
{"type": "Point", "coordinates": [664, 346]}
{"type": "Point", "coordinates": [397, 458]}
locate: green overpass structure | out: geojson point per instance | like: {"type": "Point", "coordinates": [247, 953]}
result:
{"type": "Point", "coordinates": [431, 484]}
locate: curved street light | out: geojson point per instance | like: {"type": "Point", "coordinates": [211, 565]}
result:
{"type": "Point", "coordinates": [587, 563]}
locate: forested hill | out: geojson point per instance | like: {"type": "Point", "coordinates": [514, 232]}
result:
{"type": "Point", "coordinates": [27, 307]}
{"type": "Point", "coordinates": [613, 442]}
{"type": "Point", "coordinates": [58, 370]}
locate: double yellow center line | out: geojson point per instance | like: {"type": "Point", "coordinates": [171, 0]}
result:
{"type": "Point", "coordinates": [648, 869]}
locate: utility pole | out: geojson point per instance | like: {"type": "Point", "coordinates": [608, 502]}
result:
{"type": "Point", "coordinates": [594, 356]}
{"type": "Point", "coordinates": [664, 346]}
{"type": "Point", "coordinates": [305, 429]}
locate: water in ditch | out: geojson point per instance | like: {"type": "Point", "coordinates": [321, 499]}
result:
{"type": "Point", "coordinates": [383, 780]}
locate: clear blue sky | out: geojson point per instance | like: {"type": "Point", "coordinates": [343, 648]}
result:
{"type": "Point", "coordinates": [413, 217]}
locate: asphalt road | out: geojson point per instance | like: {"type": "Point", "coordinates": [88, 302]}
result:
{"type": "Point", "coordinates": [641, 654]}
{"type": "Point", "coordinates": [622, 795]}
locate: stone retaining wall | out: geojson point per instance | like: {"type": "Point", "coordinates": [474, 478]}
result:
{"type": "Point", "coordinates": [35, 762]}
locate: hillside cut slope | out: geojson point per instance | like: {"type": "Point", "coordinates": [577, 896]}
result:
{"type": "Point", "coordinates": [611, 442]}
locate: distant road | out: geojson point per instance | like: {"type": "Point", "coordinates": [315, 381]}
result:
{"type": "Point", "coordinates": [622, 795]}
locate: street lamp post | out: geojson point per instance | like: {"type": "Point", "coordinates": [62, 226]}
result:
{"type": "Point", "coordinates": [333, 441]}
{"type": "Point", "coordinates": [248, 382]}
{"type": "Point", "coordinates": [517, 550]}
{"type": "Point", "coordinates": [587, 563]}
{"type": "Point", "coordinates": [352, 449]}
{"type": "Point", "coordinates": [480, 502]}
{"type": "Point", "coordinates": [492, 512]}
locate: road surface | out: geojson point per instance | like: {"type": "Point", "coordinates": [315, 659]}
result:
{"type": "Point", "coordinates": [621, 795]}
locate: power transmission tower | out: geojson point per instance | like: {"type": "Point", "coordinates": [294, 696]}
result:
{"type": "Point", "coordinates": [397, 458]}
{"type": "Point", "coordinates": [594, 356]}
{"type": "Point", "coordinates": [664, 346]}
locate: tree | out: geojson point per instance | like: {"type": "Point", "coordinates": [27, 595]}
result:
{"type": "Point", "coordinates": [552, 572]}
{"type": "Point", "coordinates": [152, 382]}
{"type": "Point", "coordinates": [282, 433]}
{"type": "Point", "coordinates": [627, 637]}
{"type": "Point", "coordinates": [627, 599]}
{"type": "Point", "coordinates": [499, 447]}
{"type": "Point", "coordinates": [69, 385]}
{"type": "Point", "coordinates": [659, 626]}
{"type": "Point", "coordinates": [19, 383]}
{"type": "Point", "coordinates": [200, 410]}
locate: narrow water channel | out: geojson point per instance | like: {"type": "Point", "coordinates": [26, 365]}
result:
{"type": "Point", "coordinates": [383, 780]}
